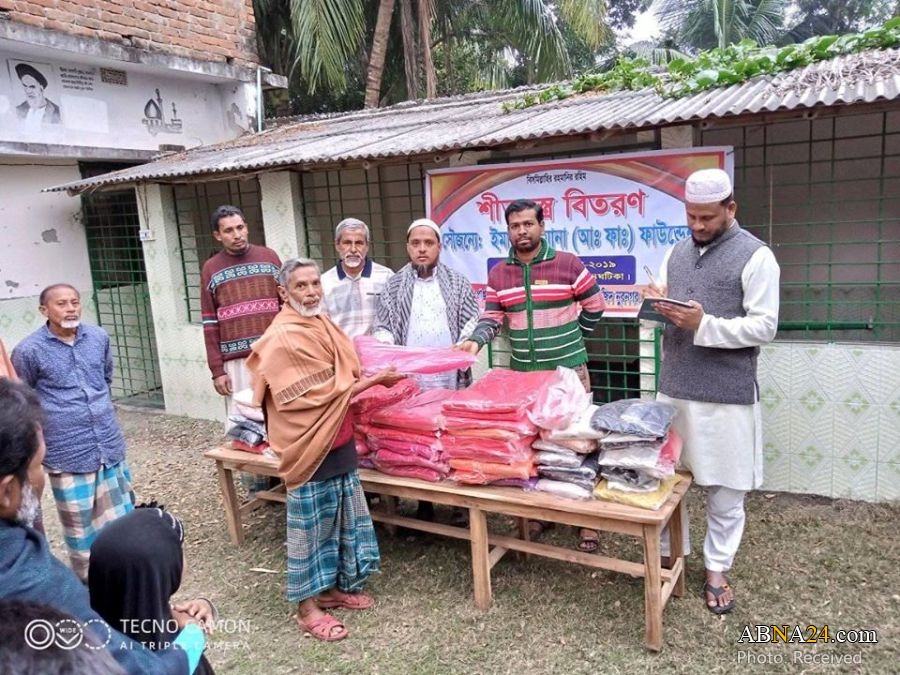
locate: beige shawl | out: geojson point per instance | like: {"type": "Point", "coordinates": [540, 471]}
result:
{"type": "Point", "coordinates": [304, 369]}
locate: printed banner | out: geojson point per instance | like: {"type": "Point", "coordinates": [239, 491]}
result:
{"type": "Point", "coordinates": [618, 213]}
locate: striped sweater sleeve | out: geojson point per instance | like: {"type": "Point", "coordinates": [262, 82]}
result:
{"type": "Point", "coordinates": [491, 319]}
{"type": "Point", "coordinates": [588, 295]}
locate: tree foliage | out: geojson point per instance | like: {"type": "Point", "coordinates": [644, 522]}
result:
{"type": "Point", "coordinates": [717, 67]}
{"type": "Point", "coordinates": [325, 47]}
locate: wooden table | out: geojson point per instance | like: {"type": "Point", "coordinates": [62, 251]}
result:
{"type": "Point", "coordinates": [488, 548]}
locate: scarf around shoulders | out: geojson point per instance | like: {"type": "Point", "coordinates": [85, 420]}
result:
{"type": "Point", "coordinates": [304, 369]}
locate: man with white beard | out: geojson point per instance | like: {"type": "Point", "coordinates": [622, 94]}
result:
{"type": "Point", "coordinates": [352, 287]}
{"type": "Point", "coordinates": [70, 367]}
{"type": "Point", "coordinates": [305, 371]}
{"type": "Point", "coordinates": [30, 573]}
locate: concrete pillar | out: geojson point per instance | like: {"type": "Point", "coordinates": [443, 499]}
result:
{"type": "Point", "coordinates": [281, 201]}
{"type": "Point", "coordinates": [187, 383]}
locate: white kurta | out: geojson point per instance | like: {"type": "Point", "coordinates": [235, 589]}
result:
{"type": "Point", "coordinates": [723, 442]}
{"type": "Point", "coordinates": [428, 328]}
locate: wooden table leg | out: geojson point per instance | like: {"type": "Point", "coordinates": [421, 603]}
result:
{"type": "Point", "coordinates": [232, 507]}
{"type": "Point", "coordinates": [481, 563]}
{"type": "Point", "coordinates": [652, 588]}
{"type": "Point", "coordinates": [676, 548]}
{"type": "Point", "coordinates": [389, 505]}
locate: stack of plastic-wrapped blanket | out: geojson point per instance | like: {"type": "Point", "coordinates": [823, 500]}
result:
{"type": "Point", "coordinates": [639, 452]}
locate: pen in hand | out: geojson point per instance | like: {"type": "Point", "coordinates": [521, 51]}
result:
{"type": "Point", "coordinates": [655, 286]}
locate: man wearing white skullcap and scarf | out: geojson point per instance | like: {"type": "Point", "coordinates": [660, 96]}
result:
{"type": "Point", "coordinates": [427, 304]}
{"type": "Point", "coordinates": [730, 278]}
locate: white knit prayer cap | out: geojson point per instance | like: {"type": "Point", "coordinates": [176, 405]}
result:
{"type": "Point", "coordinates": [424, 222]}
{"type": "Point", "coordinates": [707, 186]}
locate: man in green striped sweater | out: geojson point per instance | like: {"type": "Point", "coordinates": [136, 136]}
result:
{"type": "Point", "coordinates": [549, 301]}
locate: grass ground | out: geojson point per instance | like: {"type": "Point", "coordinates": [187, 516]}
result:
{"type": "Point", "coordinates": [805, 561]}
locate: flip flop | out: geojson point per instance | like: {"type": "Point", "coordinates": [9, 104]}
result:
{"type": "Point", "coordinates": [347, 601]}
{"type": "Point", "coordinates": [589, 543]}
{"type": "Point", "coordinates": [717, 592]}
{"type": "Point", "coordinates": [323, 628]}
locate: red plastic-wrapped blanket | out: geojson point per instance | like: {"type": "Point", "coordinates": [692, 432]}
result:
{"type": "Point", "coordinates": [430, 475]}
{"type": "Point", "coordinates": [375, 356]}
{"type": "Point", "coordinates": [501, 391]}
{"type": "Point", "coordinates": [488, 449]}
{"type": "Point", "coordinates": [481, 473]}
{"type": "Point", "coordinates": [379, 396]}
{"type": "Point", "coordinates": [488, 427]}
{"type": "Point", "coordinates": [422, 412]}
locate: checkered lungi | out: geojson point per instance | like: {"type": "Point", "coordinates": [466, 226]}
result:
{"type": "Point", "coordinates": [85, 503]}
{"type": "Point", "coordinates": [330, 538]}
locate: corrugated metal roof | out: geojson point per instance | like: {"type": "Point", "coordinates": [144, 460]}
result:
{"type": "Point", "coordinates": [478, 121]}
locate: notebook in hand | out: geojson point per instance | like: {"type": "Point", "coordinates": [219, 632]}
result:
{"type": "Point", "coordinates": [648, 313]}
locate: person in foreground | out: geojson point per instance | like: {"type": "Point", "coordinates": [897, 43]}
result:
{"type": "Point", "coordinates": [29, 647]}
{"type": "Point", "coordinates": [708, 372]}
{"type": "Point", "coordinates": [305, 372]}
{"type": "Point", "coordinates": [136, 567]}
{"type": "Point", "coordinates": [30, 573]}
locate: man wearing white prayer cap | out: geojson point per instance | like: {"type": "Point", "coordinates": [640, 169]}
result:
{"type": "Point", "coordinates": [427, 304]}
{"type": "Point", "coordinates": [708, 371]}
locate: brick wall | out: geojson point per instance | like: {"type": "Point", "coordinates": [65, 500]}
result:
{"type": "Point", "coordinates": [223, 30]}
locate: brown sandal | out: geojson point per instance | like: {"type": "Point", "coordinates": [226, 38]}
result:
{"type": "Point", "coordinates": [323, 628]}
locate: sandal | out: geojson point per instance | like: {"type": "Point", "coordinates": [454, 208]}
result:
{"type": "Point", "coordinates": [588, 543]}
{"type": "Point", "coordinates": [323, 628]}
{"type": "Point", "coordinates": [717, 592]}
{"type": "Point", "coordinates": [347, 601]}
{"type": "Point", "coordinates": [536, 528]}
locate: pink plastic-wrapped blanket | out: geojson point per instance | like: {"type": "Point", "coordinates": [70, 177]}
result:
{"type": "Point", "coordinates": [374, 434]}
{"type": "Point", "coordinates": [379, 396]}
{"type": "Point", "coordinates": [422, 473]}
{"type": "Point", "coordinates": [375, 356]}
{"type": "Point", "coordinates": [501, 391]}
{"type": "Point", "coordinates": [384, 458]}
{"type": "Point", "coordinates": [487, 449]}
{"type": "Point", "coordinates": [429, 450]}
{"type": "Point", "coordinates": [422, 412]}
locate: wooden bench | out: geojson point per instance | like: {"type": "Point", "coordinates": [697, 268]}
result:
{"type": "Point", "coordinates": [488, 548]}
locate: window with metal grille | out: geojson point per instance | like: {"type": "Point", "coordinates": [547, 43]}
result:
{"type": "Point", "coordinates": [824, 193]}
{"type": "Point", "coordinates": [194, 204]}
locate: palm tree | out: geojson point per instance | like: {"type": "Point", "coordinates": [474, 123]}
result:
{"type": "Point", "coordinates": [322, 43]}
{"type": "Point", "coordinates": [704, 24]}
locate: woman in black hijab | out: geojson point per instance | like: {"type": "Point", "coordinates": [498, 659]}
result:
{"type": "Point", "coordinates": [135, 568]}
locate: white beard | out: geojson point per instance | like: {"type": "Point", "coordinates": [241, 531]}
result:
{"type": "Point", "coordinates": [30, 506]}
{"type": "Point", "coordinates": [305, 311]}
{"type": "Point", "coordinates": [69, 325]}
{"type": "Point", "coordinates": [353, 261]}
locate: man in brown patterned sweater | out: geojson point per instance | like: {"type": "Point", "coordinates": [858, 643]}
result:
{"type": "Point", "coordinates": [238, 300]}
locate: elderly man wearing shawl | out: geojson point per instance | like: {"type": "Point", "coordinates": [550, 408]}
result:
{"type": "Point", "coordinates": [305, 372]}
